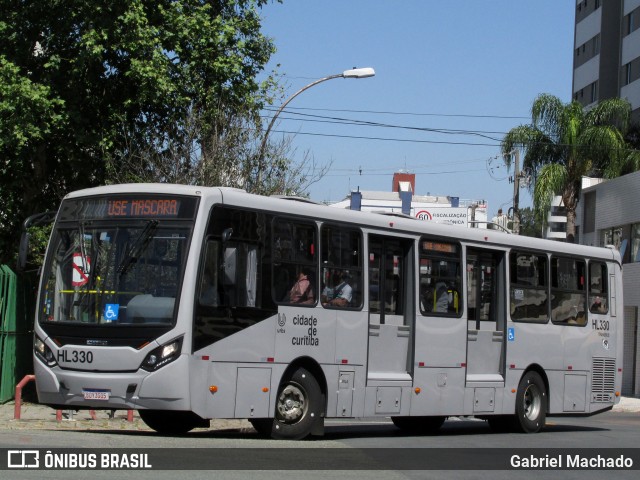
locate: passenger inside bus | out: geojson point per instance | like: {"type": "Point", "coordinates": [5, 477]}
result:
{"type": "Point", "coordinates": [342, 293]}
{"type": "Point", "coordinates": [436, 299]}
{"type": "Point", "coordinates": [597, 306]}
{"type": "Point", "coordinates": [302, 290]}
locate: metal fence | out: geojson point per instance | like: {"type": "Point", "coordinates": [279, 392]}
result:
{"type": "Point", "coordinates": [17, 308]}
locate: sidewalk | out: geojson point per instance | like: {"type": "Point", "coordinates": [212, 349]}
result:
{"type": "Point", "coordinates": [34, 416]}
{"type": "Point", "coordinates": [628, 404]}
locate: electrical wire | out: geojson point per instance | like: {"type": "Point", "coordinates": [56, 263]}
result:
{"type": "Point", "coordinates": [414, 114]}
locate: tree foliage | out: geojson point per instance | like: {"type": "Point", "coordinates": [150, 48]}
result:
{"type": "Point", "coordinates": [530, 224]}
{"type": "Point", "coordinates": [565, 142]}
{"type": "Point", "coordinates": [85, 82]}
{"type": "Point", "coordinates": [225, 155]}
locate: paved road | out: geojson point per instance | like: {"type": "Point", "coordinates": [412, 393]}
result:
{"type": "Point", "coordinates": [617, 429]}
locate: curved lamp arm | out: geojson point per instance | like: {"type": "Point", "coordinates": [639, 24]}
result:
{"type": "Point", "coordinates": [353, 73]}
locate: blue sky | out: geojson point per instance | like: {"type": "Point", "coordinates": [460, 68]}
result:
{"type": "Point", "coordinates": [466, 65]}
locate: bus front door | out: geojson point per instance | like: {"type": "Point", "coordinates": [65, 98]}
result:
{"type": "Point", "coordinates": [391, 270]}
{"type": "Point", "coordinates": [486, 315]}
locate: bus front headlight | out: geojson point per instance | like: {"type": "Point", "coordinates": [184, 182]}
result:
{"type": "Point", "coordinates": [43, 352]}
{"type": "Point", "coordinates": [162, 355]}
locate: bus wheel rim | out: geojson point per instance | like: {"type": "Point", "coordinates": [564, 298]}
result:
{"type": "Point", "coordinates": [292, 404]}
{"type": "Point", "coordinates": [532, 402]}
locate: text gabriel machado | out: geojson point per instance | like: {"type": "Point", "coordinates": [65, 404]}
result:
{"type": "Point", "coordinates": [571, 461]}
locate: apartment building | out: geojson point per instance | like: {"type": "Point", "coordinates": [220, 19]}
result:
{"type": "Point", "coordinates": [606, 55]}
{"type": "Point", "coordinates": [609, 214]}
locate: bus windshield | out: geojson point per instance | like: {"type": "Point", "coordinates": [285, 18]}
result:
{"type": "Point", "coordinates": [119, 274]}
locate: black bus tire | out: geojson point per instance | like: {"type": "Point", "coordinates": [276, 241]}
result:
{"type": "Point", "coordinates": [299, 406]}
{"type": "Point", "coordinates": [531, 403]}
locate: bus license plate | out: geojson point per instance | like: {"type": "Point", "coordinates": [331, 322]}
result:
{"type": "Point", "coordinates": [96, 394]}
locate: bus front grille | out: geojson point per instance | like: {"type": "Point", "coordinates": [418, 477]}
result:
{"type": "Point", "coordinates": [603, 377]}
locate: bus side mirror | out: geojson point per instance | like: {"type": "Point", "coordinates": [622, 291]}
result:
{"type": "Point", "coordinates": [39, 219]}
{"type": "Point", "coordinates": [23, 251]}
{"type": "Point", "coordinates": [226, 234]}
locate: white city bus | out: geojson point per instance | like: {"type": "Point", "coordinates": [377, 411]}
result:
{"type": "Point", "coordinates": [192, 303]}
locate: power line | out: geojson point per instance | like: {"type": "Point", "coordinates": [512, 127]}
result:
{"type": "Point", "coordinates": [348, 121]}
{"type": "Point", "coordinates": [385, 139]}
{"type": "Point", "coordinates": [415, 114]}
{"type": "Point", "coordinates": [414, 167]}
{"type": "Point", "coordinates": [390, 171]}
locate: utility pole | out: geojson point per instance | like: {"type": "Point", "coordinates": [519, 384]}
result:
{"type": "Point", "coordinates": [516, 193]}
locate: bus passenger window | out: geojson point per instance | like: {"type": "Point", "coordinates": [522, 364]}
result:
{"type": "Point", "coordinates": [528, 294]}
{"type": "Point", "coordinates": [341, 259]}
{"type": "Point", "coordinates": [568, 295]}
{"type": "Point", "coordinates": [440, 284]}
{"type": "Point", "coordinates": [598, 295]}
{"type": "Point", "coordinates": [294, 262]}
{"type": "Point", "coordinates": [233, 289]}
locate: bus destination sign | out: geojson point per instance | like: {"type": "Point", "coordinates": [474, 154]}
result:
{"type": "Point", "coordinates": [154, 207]}
{"type": "Point", "coordinates": [442, 247]}
{"type": "Point", "coordinates": [129, 206]}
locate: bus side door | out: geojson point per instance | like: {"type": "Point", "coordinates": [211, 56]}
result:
{"type": "Point", "coordinates": [486, 315]}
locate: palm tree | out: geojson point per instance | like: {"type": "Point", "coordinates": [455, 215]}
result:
{"type": "Point", "coordinates": [565, 142]}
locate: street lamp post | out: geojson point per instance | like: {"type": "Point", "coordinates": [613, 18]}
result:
{"type": "Point", "coordinates": [353, 73]}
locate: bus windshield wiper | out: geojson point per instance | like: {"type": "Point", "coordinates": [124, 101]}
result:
{"type": "Point", "coordinates": [138, 246]}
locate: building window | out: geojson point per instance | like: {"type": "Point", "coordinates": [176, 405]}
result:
{"type": "Point", "coordinates": [627, 74]}
{"type": "Point", "coordinates": [587, 50]}
{"type": "Point", "coordinates": [618, 237]}
{"type": "Point", "coordinates": [594, 91]}
{"type": "Point", "coordinates": [631, 22]}
{"type": "Point", "coordinates": [631, 71]}
{"type": "Point", "coordinates": [584, 9]}
{"type": "Point", "coordinates": [612, 236]}
{"type": "Point", "coordinates": [589, 212]}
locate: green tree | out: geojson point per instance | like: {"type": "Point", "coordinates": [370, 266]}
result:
{"type": "Point", "coordinates": [565, 142]}
{"type": "Point", "coordinates": [530, 224]}
{"type": "Point", "coordinates": [82, 82]}
{"type": "Point", "coordinates": [227, 156]}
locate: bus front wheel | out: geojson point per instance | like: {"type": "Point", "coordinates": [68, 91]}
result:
{"type": "Point", "coordinates": [531, 403]}
{"type": "Point", "coordinates": [299, 406]}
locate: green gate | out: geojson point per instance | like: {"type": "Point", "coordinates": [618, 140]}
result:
{"type": "Point", "coordinates": [17, 308]}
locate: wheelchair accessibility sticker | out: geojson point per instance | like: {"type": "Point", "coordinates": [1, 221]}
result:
{"type": "Point", "coordinates": [511, 334]}
{"type": "Point", "coordinates": [111, 312]}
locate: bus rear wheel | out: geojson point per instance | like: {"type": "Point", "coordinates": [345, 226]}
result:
{"type": "Point", "coordinates": [170, 422]}
{"type": "Point", "coordinates": [531, 403]}
{"type": "Point", "coordinates": [299, 406]}
{"type": "Point", "coordinates": [419, 425]}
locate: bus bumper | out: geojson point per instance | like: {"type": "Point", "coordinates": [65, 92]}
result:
{"type": "Point", "coordinates": [113, 390]}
